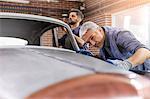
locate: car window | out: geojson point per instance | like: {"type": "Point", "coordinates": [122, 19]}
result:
{"type": "Point", "coordinates": [57, 37]}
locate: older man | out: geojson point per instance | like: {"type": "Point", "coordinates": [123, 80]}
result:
{"type": "Point", "coordinates": [117, 46]}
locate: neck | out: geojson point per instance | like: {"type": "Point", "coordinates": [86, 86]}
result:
{"type": "Point", "coordinates": [104, 36]}
{"type": "Point", "coordinates": [75, 25]}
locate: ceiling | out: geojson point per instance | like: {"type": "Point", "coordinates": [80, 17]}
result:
{"type": "Point", "coordinates": [27, 1]}
{"type": "Point", "coordinates": [75, 0]}
{"type": "Point", "coordinates": [58, 0]}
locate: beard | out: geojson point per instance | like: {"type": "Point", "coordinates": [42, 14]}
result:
{"type": "Point", "coordinates": [99, 44]}
{"type": "Point", "coordinates": [71, 22]}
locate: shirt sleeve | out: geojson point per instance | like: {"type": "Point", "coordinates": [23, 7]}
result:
{"type": "Point", "coordinates": [128, 41]}
{"type": "Point", "coordinates": [61, 41]}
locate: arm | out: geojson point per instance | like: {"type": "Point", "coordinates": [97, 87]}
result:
{"type": "Point", "coordinates": [139, 56]}
{"type": "Point", "coordinates": [139, 51]}
{"type": "Point", "coordinates": [79, 40]}
{"type": "Point", "coordinates": [136, 59]}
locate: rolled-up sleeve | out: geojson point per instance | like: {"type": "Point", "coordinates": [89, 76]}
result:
{"type": "Point", "coordinates": [128, 41]}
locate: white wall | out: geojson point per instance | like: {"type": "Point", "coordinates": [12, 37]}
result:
{"type": "Point", "coordinates": [137, 20]}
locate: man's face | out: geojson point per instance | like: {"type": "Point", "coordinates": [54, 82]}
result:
{"type": "Point", "coordinates": [73, 18]}
{"type": "Point", "coordinates": [94, 38]}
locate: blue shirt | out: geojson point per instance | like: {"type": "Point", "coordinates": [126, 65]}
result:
{"type": "Point", "coordinates": [76, 31]}
{"type": "Point", "coordinates": [121, 44]}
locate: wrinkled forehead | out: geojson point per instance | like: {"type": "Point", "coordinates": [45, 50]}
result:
{"type": "Point", "coordinates": [88, 34]}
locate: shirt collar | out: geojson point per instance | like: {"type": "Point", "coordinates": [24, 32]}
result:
{"type": "Point", "coordinates": [106, 41]}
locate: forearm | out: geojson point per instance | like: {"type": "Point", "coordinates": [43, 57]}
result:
{"type": "Point", "coordinates": [79, 40]}
{"type": "Point", "coordinates": [139, 56]}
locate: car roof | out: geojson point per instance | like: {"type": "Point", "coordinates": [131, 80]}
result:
{"type": "Point", "coordinates": [26, 26]}
{"type": "Point", "coordinates": [31, 17]}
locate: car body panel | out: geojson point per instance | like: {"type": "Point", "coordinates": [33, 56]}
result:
{"type": "Point", "coordinates": [89, 87]}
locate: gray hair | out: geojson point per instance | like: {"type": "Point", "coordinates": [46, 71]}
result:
{"type": "Point", "coordinates": [86, 26]}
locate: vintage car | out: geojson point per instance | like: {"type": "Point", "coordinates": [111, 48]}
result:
{"type": "Point", "coordinates": [37, 72]}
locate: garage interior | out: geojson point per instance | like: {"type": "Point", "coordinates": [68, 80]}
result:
{"type": "Point", "coordinates": [102, 12]}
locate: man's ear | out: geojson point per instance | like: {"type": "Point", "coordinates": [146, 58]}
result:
{"type": "Point", "coordinates": [79, 20]}
{"type": "Point", "coordinates": [83, 37]}
{"type": "Point", "coordinates": [99, 31]}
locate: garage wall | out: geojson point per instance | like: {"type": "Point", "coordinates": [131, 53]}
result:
{"type": "Point", "coordinates": [100, 11]}
{"type": "Point", "coordinates": [53, 9]}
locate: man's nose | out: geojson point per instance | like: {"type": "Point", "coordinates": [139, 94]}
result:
{"type": "Point", "coordinates": [92, 42]}
{"type": "Point", "coordinates": [70, 18]}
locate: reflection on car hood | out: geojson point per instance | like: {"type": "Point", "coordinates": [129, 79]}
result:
{"type": "Point", "coordinates": [25, 70]}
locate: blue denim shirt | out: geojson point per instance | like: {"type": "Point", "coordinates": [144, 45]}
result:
{"type": "Point", "coordinates": [121, 44]}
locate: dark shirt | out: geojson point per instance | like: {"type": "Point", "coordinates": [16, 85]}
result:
{"type": "Point", "coordinates": [76, 31]}
{"type": "Point", "coordinates": [120, 44]}
{"type": "Point", "coordinates": [62, 41]}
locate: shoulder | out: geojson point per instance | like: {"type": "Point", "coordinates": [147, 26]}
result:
{"type": "Point", "coordinates": [112, 30]}
{"type": "Point", "coordinates": [77, 28]}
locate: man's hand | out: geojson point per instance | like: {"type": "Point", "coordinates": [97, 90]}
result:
{"type": "Point", "coordinates": [85, 52]}
{"type": "Point", "coordinates": [125, 65]}
{"type": "Point", "coordinates": [140, 56]}
{"type": "Point", "coordinates": [79, 40]}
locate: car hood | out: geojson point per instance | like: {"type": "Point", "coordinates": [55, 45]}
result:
{"type": "Point", "coordinates": [25, 70]}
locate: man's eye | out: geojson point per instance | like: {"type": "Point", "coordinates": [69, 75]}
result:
{"type": "Point", "coordinates": [73, 16]}
{"type": "Point", "coordinates": [88, 42]}
{"type": "Point", "coordinates": [92, 37]}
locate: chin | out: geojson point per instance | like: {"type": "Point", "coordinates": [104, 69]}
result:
{"type": "Point", "coordinates": [97, 46]}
